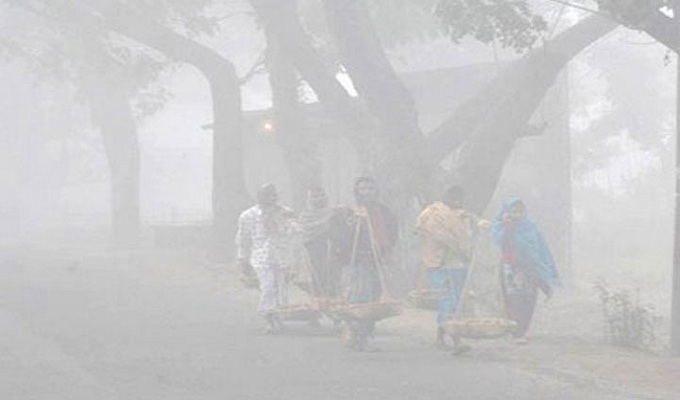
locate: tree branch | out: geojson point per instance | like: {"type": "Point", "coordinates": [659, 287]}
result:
{"type": "Point", "coordinates": [662, 28]}
{"type": "Point", "coordinates": [521, 85]}
{"type": "Point", "coordinates": [282, 18]}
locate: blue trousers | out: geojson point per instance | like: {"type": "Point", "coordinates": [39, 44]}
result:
{"type": "Point", "coordinates": [448, 283]}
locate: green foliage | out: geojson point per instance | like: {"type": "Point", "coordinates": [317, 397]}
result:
{"type": "Point", "coordinates": [56, 44]}
{"type": "Point", "coordinates": [149, 101]}
{"type": "Point", "coordinates": [510, 23]}
{"type": "Point", "coordinates": [191, 17]}
{"type": "Point", "coordinates": [629, 323]}
{"type": "Point", "coordinates": [631, 12]}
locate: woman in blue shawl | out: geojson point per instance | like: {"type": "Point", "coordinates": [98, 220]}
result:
{"type": "Point", "coordinates": [526, 264]}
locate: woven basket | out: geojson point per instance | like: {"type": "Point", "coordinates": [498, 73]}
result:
{"type": "Point", "coordinates": [480, 328]}
{"type": "Point", "coordinates": [370, 311]}
{"type": "Point", "coordinates": [297, 312]}
{"type": "Point", "coordinates": [327, 303]}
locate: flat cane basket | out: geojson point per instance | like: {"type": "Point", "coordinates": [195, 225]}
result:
{"type": "Point", "coordinates": [327, 304]}
{"type": "Point", "coordinates": [370, 311]}
{"type": "Point", "coordinates": [297, 312]}
{"type": "Point", "coordinates": [480, 328]}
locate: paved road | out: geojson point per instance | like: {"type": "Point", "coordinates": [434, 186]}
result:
{"type": "Point", "coordinates": [102, 328]}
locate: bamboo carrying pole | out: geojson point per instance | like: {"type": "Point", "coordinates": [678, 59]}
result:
{"type": "Point", "coordinates": [465, 288]}
{"type": "Point", "coordinates": [385, 296]}
{"type": "Point", "coordinates": [473, 264]}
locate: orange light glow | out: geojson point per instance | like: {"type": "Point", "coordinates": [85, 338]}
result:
{"type": "Point", "coordinates": [268, 126]}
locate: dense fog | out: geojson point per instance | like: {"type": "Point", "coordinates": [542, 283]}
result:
{"type": "Point", "coordinates": [136, 133]}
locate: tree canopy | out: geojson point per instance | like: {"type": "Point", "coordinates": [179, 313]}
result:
{"type": "Point", "coordinates": [511, 24]}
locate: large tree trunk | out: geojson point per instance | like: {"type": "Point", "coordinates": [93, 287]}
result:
{"type": "Point", "coordinates": [229, 194]}
{"type": "Point", "coordinates": [111, 111]}
{"type": "Point", "coordinates": [662, 28]}
{"type": "Point", "coordinates": [292, 134]}
{"type": "Point", "coordinates": [282, 22]}
{"type": "Point", "coordinates": [372, 74]}
{"type": "Point", "coordinates": [404, 167]}
{"type": "Point", "coordinates": [486, 127]}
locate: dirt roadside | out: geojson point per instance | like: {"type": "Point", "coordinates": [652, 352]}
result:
{"type": "Point", "coordinates": [566, 341]}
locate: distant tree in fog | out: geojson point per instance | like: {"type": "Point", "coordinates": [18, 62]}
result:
{"type": "Point", "coordinates": [115, 80]}
{"type": "Point", "coordinates": [99, 28]}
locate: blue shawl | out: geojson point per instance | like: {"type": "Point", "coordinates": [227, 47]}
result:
{"type": "Point", "coordinates": [530, 243]}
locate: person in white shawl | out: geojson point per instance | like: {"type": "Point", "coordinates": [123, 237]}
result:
{"type": "Point", "coordinates": [265, 244]}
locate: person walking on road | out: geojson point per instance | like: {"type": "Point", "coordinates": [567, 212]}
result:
{"type": "Point", "coordinates": [447, 233]}
{"type": "Point", "coordinates": [371, 232]}
{"type": "Point", "coordinates": [527, 264]}
{"type": "Point", "coordinates": [265, 246]}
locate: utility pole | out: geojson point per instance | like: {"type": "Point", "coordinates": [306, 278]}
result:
{"type": "Point", "coordinates": [675, 305]}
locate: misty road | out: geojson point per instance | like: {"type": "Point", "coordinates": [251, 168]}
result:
{"type": "Point", "coordinates": [151, 329]}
